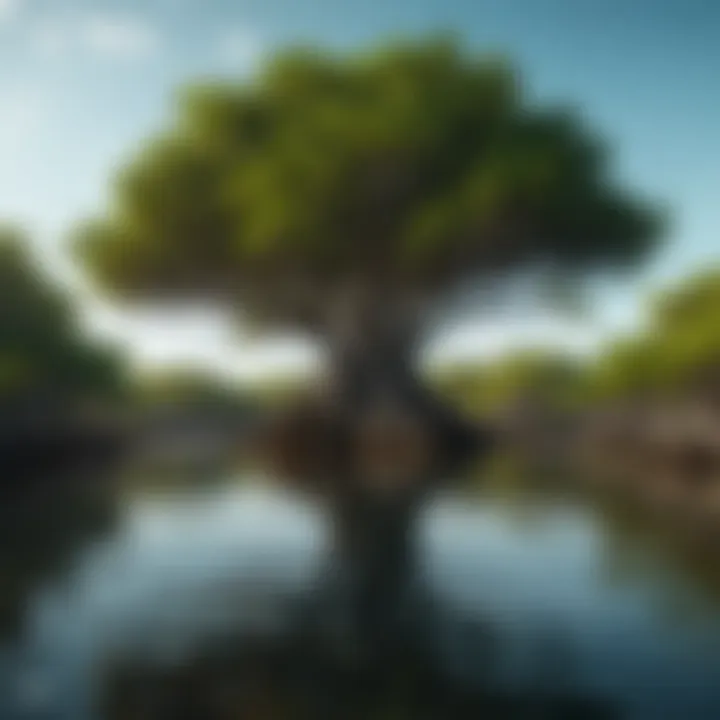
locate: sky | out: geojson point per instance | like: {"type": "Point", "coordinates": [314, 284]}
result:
{"type": "Point", "coordinates": [83, 82]}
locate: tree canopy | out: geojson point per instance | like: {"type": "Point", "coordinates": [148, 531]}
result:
{"type": "Point", "coordinates": [43, 352]}
{"type": "Point", "coordinates": [407, 167]}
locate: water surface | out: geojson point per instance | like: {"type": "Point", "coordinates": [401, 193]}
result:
{"type": "Point", "coordinates": [568, 602]}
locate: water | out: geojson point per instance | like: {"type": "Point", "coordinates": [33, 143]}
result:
{"type": "Point", "coordinates": [549, 592]}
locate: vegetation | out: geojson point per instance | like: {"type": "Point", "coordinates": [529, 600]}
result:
{"type": "Point", "coordinates": [196, 389]}
{"type": "Point", "coordinates": [679, 350]}
{"type": "Point", "coordinates": [418, 161]}
{"type": "Point", "coordinates": [675, 356]}
{"type": "Point", "coordinates": [550, 378]}
{"type": "Point", "coordinates": [348, 195]}
{"type": "Point", "coordinates": [43, 352]}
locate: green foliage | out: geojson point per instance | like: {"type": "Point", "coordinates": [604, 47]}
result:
{"type": "Point", "coordinates": [279, 391]}
{"type": "Point", "coordinates": [413, 165]}
{"type": "Point", "coordinates": [678, 351]}
{"type": "Point", "coordinates": [42, 349]}
{"type": "Point", "coordinates": [549, 378]}
{"type": "Point", "coordinates": [187, 387]}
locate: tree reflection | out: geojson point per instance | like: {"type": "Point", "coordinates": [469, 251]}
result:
{"type": "Point", "coordinates": [41, 533]}
{"type": "Point", "coordinates": [673, 542]}
{"type": "Point", "coordinates": [300, 677]}
{"type": "Point", "coordinates": [687, 550]}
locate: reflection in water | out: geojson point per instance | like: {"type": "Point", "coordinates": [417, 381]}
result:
{"type": "Point", "coordinates": [39, 537]}
{"type": "Point", "coordinates": [193, 605]}
{"type": "Point", "coordinates": [299, 679]}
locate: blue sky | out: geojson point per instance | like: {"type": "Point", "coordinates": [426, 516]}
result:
{"type": "Point", "coordinates": [83, 81]}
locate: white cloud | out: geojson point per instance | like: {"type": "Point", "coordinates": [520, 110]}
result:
{"type": "Point", "coordinates": [123, 37]}
{"type": "Point", "coordinates": [240, 49]}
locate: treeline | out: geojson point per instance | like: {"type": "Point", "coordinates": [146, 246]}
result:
{"type": "Point", "coordinates": [674, 358]}
{"type": "Point", "coordinates": [45, 357]}
{"type": "Point", "coordinates": [66, 396]}
{"type": "Point", "coordinates": [48, 359]}
{"type": "Point", "coordinates": [56, 385]}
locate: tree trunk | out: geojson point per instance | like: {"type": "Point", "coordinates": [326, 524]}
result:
{"type": "Point", "coordinates": [373, 572]}
{"type": "Point", "coordinates": [402, 442]}
{"type": "Point", "coordinates": [373, 381]}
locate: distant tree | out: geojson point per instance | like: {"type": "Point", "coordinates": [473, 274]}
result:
{"type": "Point", "coordinates": [550, 378]}
{"type": "Point", "coordinates": [193, 389]}
{"type": "Point", "coordinates": [44, 354]}
{"type": "Point", "coordinates": [677, 352]}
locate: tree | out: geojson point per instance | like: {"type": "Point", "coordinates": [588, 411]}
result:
{"type": "Point", "coordinates": [51, 374]}
{"type": "Point", "coordinates": [188, 387]}
{"type": "Point", "coordinates": [43, 353]}
{"type": "Point", "coordinates": [347, 195]}
{"type": "Point", "coordinates": [678, 351]}
{"type": "Point", "coordinates": [552, 379]}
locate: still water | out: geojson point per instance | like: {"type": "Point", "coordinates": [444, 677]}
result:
{"type": "Point", "coordinates": [569, 601]}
